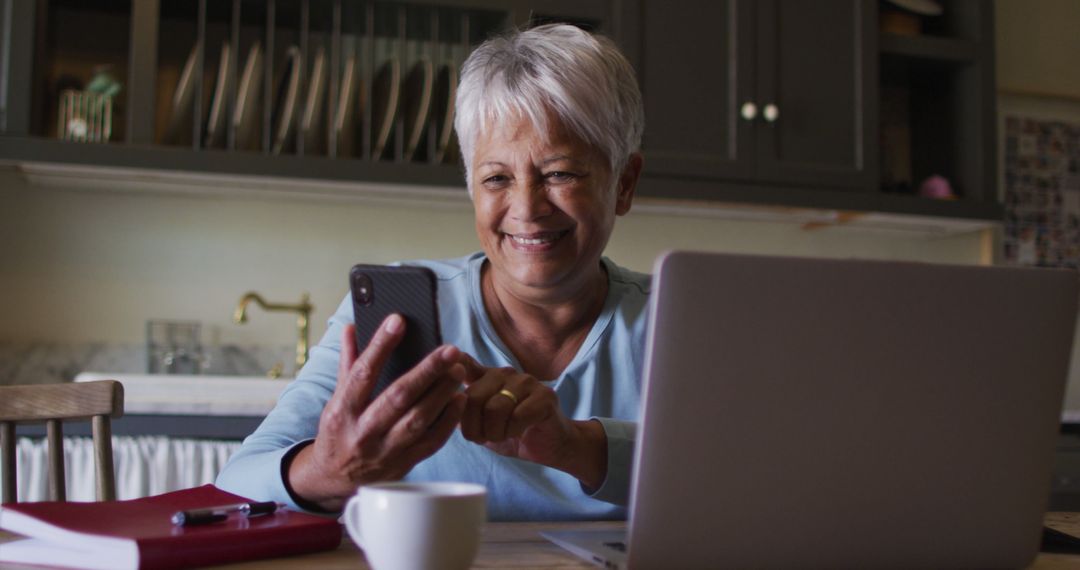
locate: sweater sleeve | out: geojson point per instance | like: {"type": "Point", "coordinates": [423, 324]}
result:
{"type": "Point", "coordinates": [621, 436]}
{"type": "Point", "coordinates": [256, 470]}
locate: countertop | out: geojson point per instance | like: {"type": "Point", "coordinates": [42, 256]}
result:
{"type": "Point", "coordinates": [189, 395]}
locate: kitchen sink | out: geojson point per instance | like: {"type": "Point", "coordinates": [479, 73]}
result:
{"type": "Point", "coordinates": [198, 395]}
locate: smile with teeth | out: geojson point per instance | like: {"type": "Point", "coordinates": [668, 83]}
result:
{"type": "Point", "coordinates": [536, 239]}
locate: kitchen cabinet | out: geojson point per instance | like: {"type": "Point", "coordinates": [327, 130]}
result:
{"type": "Point", "coordinates": [770, 91]}
{"type": "Point", "coordinates": [938, 113]}
{"type": "Point", "coordinates": [775, 102]}
{"type": "Point", "coordinates": [328, 90]}
{"type": "Point", "coordinates": [795, 103]}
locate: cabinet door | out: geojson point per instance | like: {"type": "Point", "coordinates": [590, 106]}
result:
{"type": "Point", "coordinates": [813, 67]}
{"type": "Point", "coordinates": [695, 61]}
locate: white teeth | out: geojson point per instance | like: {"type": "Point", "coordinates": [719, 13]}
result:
{"type": "Point", "coordinates": [534, 241]}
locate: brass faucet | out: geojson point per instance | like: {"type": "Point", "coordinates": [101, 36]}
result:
{"type": "Point", "coordinates": [303, 309]}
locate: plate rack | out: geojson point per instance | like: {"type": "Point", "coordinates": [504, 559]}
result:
{"type": "Point", "coordinates": [335, 78]}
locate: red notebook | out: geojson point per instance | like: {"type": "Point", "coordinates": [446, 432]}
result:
{"type": "Point", "coordinates": [140, 534]}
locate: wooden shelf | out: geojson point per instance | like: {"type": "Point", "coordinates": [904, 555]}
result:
{"type": "Point", "coordinates": [155, 159]}
{"type": "Point", "coordinates": [947, 50]}
{"type": "Point", "coordinates": [822, 198]}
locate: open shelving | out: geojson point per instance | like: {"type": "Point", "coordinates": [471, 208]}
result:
{"type": "Point", "coordinates": [936, 103]}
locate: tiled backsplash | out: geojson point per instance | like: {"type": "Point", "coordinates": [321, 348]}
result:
{"type": "Point", "coordinates": [42, 362]}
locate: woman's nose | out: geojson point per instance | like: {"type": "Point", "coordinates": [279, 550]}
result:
{"type": "Point", "coordinates": [530, 201]}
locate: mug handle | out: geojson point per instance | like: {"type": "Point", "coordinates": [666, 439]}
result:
{"type": "Point", "coordinates": [352, 520]}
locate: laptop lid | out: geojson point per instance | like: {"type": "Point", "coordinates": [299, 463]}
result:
{"type": "Point", "coordinates": [839, 413]}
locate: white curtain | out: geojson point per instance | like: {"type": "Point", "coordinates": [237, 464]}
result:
{"type": "Point", "coordinates": [145, 465]}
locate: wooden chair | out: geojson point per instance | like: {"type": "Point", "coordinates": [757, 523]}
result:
{"type": "Point", "coordinates": [53, 404]}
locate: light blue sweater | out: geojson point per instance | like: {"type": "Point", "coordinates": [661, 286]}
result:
{"type": "Point", "coordinates": [603, 381]}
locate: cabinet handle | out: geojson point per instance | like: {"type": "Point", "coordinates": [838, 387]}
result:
{"type": "Point", "coordinates": [771, 113]}
{"type": "Point", "coordinates": [748, 111]}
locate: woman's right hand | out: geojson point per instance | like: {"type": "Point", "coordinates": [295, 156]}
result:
{"type": "Point", "coordinates": [363, 442]}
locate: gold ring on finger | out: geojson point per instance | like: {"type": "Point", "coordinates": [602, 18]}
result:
{"type": "Point", "coordinates": [509, 394]}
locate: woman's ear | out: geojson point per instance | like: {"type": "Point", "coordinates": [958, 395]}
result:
{"type": "Point", "coordinates": [628, 180]}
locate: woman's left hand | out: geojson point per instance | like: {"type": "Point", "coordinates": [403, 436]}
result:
{"type": "Point", "coordinates": [530, 425]}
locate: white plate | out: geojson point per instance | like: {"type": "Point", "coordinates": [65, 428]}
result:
{"type": "Point", "coordinates": [285, 103]}
{"type": "Point", "coordinates": [215, 124]}
{"type": "Point", "coordinates": [248, 96]}
{"type": "Point", "coordinates": [180, 116]}
{"type": "Point", "coordinates": [445, 94]}
{"type": "Point", "coordinates": [344, 129]}
{"type": "Point", "coordinates": [418, 87]}
{"type": "Point", "coordinates": [384, 96]}
{"type": "Point", "coordinates": [311, 122]}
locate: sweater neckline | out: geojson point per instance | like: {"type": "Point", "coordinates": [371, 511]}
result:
{"type": "Point", "coordinates": [476, 301]}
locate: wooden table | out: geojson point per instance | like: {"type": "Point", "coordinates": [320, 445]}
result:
{"type": "Point", "coordinates": [505, 545]}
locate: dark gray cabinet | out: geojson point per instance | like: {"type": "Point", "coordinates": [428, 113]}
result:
{"type": "Point", "coordinates": [812, 68]}
{"type": "Point", "coordinates": [770, 91]}
{"type": "Point", "coordinates": [814, 104]}
{"type": "Point", "coordinates": [694, 74]}
{"type": "Point", "coordinates": [172, 58]}
{"type": "Point", "coordinates": [776, 102]}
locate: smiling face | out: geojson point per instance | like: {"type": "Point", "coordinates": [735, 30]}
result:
{"type": "Point", "coordinates": [545, 207]}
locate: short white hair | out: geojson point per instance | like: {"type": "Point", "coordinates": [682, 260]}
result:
{"type": "Point", "coordinates": [554, 71]}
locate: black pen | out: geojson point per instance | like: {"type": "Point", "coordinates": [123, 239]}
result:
{"type": "Point", "coordinates": [218, 514]}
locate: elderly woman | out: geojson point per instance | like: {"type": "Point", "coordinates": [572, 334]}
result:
{"type": "Point", "coordinates": [535, 393]}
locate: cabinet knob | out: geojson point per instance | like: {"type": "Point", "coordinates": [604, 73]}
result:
{"type": "Point", "coordinates": [748, 111]}
{"type": "Point", "coordinates": [771, 113]}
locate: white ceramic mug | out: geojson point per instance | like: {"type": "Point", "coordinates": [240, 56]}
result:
{"type": "Point", "coordinates": [405, 526]}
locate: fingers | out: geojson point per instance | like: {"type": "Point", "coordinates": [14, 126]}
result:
{"type": "Point", "coordinates": [438, 433]}
{"type": "Point", "coordinates": [357, 375]}
{"type": "Point", "coordinates": [537, 407]}
{"type": "Point", "coordinates": [358, 442]}
{"type": "Point", "coordinates": [397, 400]}
{"type": "Point", "coordinates": [492, 416]}
{"type": "Point", "coordinates": [478, 393]}
{"type": "Point", "coordinates": [499, 408]}
{"type": "Point", "coordinates": [419, 419]}
{"type": "Point", "coordinates": [348, 354]}
{"type": "Point", "coordinates": [474, 371]}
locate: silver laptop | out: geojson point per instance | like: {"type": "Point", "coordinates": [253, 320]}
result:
{"type": "Point", "coordinates": [809, 413]}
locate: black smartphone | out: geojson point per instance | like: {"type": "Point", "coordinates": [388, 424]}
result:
{"type": "Point", "coordinates": [381, 290]}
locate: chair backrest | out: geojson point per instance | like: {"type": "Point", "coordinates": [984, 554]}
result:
{"type": "Point", "coordinates": [53, 404]}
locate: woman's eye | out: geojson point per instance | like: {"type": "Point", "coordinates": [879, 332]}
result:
{"type": "Point", "coordinates": [560, 177]}
{"type": "Point", "coordinates": [495, 181]}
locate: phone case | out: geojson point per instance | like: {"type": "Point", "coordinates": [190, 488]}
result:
{"type": "Point", "coordinates": [408, 291]}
